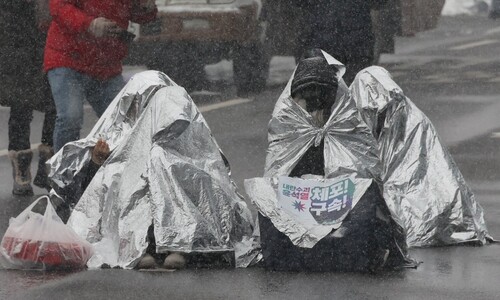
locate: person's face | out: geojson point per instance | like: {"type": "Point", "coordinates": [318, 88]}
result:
{"type": "Point", "coordinates": [317, 97]}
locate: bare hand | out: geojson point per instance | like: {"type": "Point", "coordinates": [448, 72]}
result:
{"type": "Point", "coordinates": [147, 5]}
{"type": "Point", "coordinates": [102, 27]}
{"type": "Point", "coordinates": [100, 152]}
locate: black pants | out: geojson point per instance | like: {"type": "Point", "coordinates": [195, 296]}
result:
{"type": "Point", "coordinates": [20, 119]}
{"type": "Point", "coordinates": [495, 9]}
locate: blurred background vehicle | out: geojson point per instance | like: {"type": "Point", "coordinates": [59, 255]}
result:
{"type": "Point", "coordinates": [189, 34]}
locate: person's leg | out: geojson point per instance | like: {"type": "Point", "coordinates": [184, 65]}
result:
{"type": "Point", "coordinates": [48, 127]}
{"type": "Point", "coordinates": [20, 153]}
{"type": "Point", "coordinates": [149, 260]}
{"type": "Point", "coordinates": [19, 127]}
{"type": "Point", "coordinates": [359, 52]}
{"type": "Point", "coordinates": [354, 64]}
{"type": "Point", "coordinates": [102, 93]}
{"type": "Point", "coordinates": [68, 90]}
{"type": "Point", "coordinates": [50, 115]}
{"type": "Point", "coordinates": [495, 9]}
{"type": "Point", "coordinates": [45, 150]}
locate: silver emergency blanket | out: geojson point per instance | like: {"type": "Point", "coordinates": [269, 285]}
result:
{"type": "Point", "coordinates": [165, 169]}
{"type": "Point", "coordinates": [349, 150]}
{"type": "Point", "coordinates": [423, 187]}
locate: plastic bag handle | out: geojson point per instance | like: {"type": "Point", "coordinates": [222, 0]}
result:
{"type": "Point", "coordinates": [29, 208]}
{"type": "Point", "coordinates": [50, 211]}
{"type": "Point", "coordinates": [49, 208]}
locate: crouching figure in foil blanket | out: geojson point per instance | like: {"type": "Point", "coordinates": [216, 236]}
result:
{"type": "Point", "coordinates": [320, 205]}
{"type": "Point", "coordinates": [164, 186]}
{"type": "Point", "coordinates": [423, 187]}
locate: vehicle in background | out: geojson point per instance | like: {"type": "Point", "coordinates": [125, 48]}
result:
{"type": "Point", "coordinates": [188, 34]}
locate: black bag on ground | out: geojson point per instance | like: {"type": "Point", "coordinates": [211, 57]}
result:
{"type": "Point", "coordinates": [368, 240]}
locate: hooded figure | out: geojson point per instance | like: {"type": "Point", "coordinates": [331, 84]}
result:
{"type": "Point", "coordinates": [165, 170]}
{"type": "Point", "coordinates": [337, 220]}
{"type": "Point", "coordinates": [423, 187]}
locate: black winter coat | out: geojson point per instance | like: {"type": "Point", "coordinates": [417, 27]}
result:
{"type": "Point", "coordinates": [22, 80]}
{"type": "Point", "coordinates": [339, 26]}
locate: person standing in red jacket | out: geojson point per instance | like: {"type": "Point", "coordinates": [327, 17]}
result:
{"type": "Point", "coordinates": [86, 44]}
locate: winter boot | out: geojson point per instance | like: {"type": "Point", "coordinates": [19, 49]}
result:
{"type": "Point", "coordinates": [175, 261]}
{"type": "Point", "coordinates": [147, 262]}
{"type": "Point", "coordinates": [21, 171]}
{"type": "Point", "coordinates": [45, 152]}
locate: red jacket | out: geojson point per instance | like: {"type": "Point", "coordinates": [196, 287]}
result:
{"type": "Point", "coordinates": [70, 45]}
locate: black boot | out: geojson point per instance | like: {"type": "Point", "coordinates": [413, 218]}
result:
{"type": "Point", "coordinates": [21, 171]}
{"type": "Point", "coordinates": [45, 152]}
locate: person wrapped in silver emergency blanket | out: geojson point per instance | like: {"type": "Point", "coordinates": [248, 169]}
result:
{"type": "Point", "coordinates": [423, 187]}
{"type": "Point", "coordinates": [163, 183]}
{"type": "Point", "coordinates": [320, 205]}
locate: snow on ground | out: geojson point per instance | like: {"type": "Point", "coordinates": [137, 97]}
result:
{"type": "Point", "coordinates": [280, 70]}
{"type": "Point", "coordinates": [467, 7]}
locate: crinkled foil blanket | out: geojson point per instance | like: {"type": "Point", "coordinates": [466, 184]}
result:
{"type": "Point", "coordinates": [165, 169]}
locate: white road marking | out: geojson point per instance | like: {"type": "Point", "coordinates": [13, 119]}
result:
{"type": "Point", "coordinates": [495, 135]}
{"type": "Point", "coordinates": [224, 104]}
{"type": "Point", "coordinates": [440, 78]}
{"type": "Point", "coordinates": [85, 107]}
{"type": "Point", "coordinates": [202, 109]}
{"type": "Point", "coordinates": [469, 99]}
{"type": "Point", "coordinates": [492, 31]}
{"type": "Point", "coordinates": [474, 45]}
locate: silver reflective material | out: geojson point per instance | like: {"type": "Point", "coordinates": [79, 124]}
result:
{"type": "Point", "coordinates": [349, 149]}
{"type": "Point", "coordinates": [165, 169]}
{"type": "Point", "coordinates": [67, 166]}
{"type": "Point", "coordinates": [349, 144]}
{"type": "Point", "coordinates": [423, 187]}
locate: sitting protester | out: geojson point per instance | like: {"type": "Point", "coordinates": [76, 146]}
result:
{"type": "Point", "coordinates": [72, 169]}
{"type": "Point", "coordinates": [163, 187]}
{"type": "Point", "coordinates": [320, 205]}
{"type": "Point", "coordinates": [174, 260]}
{"type": "Point", "coordinates": [423, 187]}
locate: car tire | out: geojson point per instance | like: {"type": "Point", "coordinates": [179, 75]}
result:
{"type": "Point", "coordinates": [250, 68]}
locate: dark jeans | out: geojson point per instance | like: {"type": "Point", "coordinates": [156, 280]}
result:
{"type": "Point", "coordinates": [70, 89]}
{"type": "Point", "coordinates": [20, 119]}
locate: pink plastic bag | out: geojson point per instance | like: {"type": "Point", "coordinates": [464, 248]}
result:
{"type": "Point", "coordinates": [35, 241]}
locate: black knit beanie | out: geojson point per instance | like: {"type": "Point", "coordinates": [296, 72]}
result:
{"type": "Point", "coordinates": [313, 69]}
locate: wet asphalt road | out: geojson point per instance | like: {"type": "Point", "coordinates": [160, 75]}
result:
{"type": "Point", "coordinates": [453, 75]}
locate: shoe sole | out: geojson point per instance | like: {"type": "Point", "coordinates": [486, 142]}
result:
{"type": "Point", "coordinates": [157, 270]}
